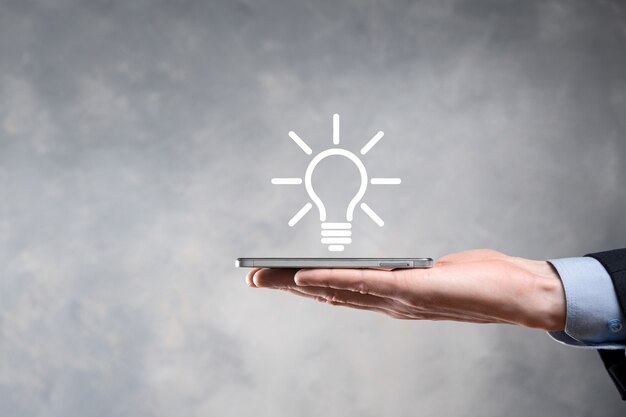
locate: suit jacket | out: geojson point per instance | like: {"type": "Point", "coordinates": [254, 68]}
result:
{"type": "Point", "coordinates": [614, 262]}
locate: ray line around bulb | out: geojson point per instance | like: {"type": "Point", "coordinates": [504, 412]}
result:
{"type": "Point", "coordinates": [286, 181]}
{"type": "Point", "coordinates": [372, 214]}
{"type": "Point", "coordinates": [385, 181]}
{"type": "Point", "coordinates": [336, 129]}
{"type": "Point", "coordinates": [300, 214]}
{"type": "Point", "coordinates": [294, 136]}
{"type": "Point", "coordinates": [373, 141]}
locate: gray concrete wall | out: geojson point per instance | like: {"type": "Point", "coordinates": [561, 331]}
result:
{"type": "Point", "coordinates": [137, 140]}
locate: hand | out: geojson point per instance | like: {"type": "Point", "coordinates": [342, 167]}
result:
{"type": "Point", "coordinates": [479, 286]}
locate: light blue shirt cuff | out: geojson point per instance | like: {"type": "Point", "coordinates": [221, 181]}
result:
{"type": "Point", "coordinates": [594, 318]}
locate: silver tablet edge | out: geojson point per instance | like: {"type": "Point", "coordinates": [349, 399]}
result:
{"type": "Point", "coordinates": [362, 263]}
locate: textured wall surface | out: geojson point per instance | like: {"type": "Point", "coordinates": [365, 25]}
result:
{"type": "Point", "coordinates": [137, 140]}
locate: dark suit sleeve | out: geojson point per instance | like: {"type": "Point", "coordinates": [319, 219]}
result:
{"type": "Point", "coordinates": [614, 262]}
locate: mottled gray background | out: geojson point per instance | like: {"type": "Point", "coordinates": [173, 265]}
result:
{"type": "Point", "coordinates": [137, 140]}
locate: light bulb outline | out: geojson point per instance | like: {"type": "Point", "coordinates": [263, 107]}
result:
{"type": "Point", "coordinates": [309, 185]}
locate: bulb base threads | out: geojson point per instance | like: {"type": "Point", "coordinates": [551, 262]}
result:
{"type": "Point", "coordinates": [336, 235]}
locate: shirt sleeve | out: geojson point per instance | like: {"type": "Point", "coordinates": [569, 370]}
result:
{"type": "Point", "coordinates": [594, 318]}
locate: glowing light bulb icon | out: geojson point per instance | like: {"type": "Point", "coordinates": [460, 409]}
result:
{"type": "Point", "coordinates": [336, 234]}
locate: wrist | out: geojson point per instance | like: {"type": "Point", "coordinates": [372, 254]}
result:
{"type": "Point", "coordinates": [545, 297]}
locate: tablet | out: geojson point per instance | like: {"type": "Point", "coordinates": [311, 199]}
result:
{"type": "Point", "coordinates": [333, 262]}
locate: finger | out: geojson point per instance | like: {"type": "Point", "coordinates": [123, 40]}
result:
{"type": "Point", "coordinates": [390, 307]}
{"type": "Point", "coordinates": [284, 279]}
{"type": "Point", "coordinates": [364, 281]}
{"type": "Point", "coordinates": [389, 313]}
{"type": "Point", "coordinates": [274, 278]}
{"type": "Point", "coordinates": [319, 294]}
{"type": "Point", "coordinates": [346, 296]}
{"type": "Point", "coordinates": [249, 277]}
{"type": "Point", "coordinates": [322, 299]}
